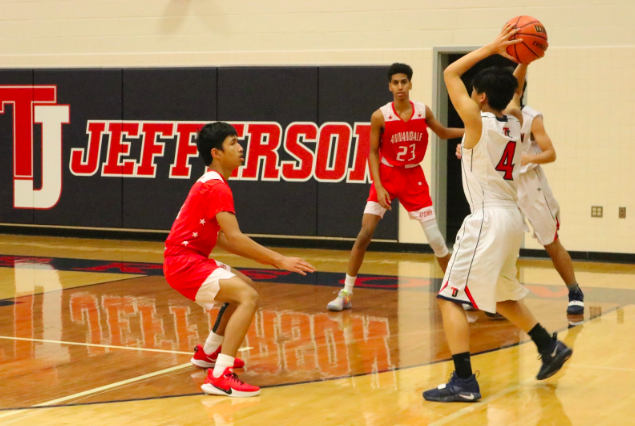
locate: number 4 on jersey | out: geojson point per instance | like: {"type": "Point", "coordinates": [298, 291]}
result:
{"type": "Point", "coordinates": [506, 163]}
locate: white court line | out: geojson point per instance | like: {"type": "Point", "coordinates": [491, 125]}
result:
{"type": "Point", "coordinates": [97, 390]}
{"type": "Point", "coordinates": [112, 385]}
{"type": "Point", "coordinates": [130, 348]}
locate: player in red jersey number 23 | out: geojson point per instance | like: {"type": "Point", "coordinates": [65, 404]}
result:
{"type": "Point", "coordinates": [398, 143]}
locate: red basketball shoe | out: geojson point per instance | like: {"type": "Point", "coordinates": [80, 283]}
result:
{"type": "Point", "coordinates": [228, 384]}
{"type": "Point", "coordinates": [202, 360]}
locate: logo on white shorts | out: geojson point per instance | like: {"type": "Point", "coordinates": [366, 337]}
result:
{"type": "Point", "coordinates": [425, 213]}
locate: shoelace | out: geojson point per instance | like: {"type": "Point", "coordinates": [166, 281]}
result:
{"type": "Point", "coordinates": [234, 377]}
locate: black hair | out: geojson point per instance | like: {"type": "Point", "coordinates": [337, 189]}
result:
{"type": "Point", "coordinates": [399, 68]}
{"type": "Point", "coordinates": [212, 136]}
{"type": "Point", "coordinates": [499, 84]}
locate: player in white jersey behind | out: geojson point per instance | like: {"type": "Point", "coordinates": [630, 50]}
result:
{"type": "Point", "coordinates": [482, 269]}
{"type": "Point", "coordinates": [537, 202]}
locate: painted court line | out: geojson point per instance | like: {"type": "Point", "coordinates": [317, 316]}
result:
{"type": "Point", "coordinates": [112, 385]}
{"type": "Point", "coordinates": [96, 345]}
{"type": "Point", "coordinates": [97, 390]}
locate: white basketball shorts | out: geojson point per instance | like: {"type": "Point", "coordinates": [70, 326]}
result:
{"type": "Point", "coordinates": [482, 269]}
{"type": "Point", "coordinates": [206, 295]}
{"type": "Point", "coordinates": [539, 206]}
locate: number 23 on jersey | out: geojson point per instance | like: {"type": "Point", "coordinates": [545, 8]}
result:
{"type": "Point", "coordinates": [403, 150]}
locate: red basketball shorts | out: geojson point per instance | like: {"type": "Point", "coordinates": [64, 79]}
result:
{"type": "Point", "coordinates": [196, 277]}
{"type": "Point", "coordinates": [408, 185]}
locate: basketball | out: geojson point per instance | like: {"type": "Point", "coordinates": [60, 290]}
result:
{"type": "Point", "coordinates": [534, 37]}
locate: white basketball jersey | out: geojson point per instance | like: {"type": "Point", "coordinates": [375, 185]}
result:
{"type": "Point", "coordinates": [530, 146]}
{"type": "Point", "coordinates": [491, 168]}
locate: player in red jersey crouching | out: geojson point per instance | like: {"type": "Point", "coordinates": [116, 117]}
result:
{"type": "Point", "coordinates": [206, 219]}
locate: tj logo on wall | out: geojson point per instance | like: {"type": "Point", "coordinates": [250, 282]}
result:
{"type": "Point", "coordinates": [331, 152]}
{"type": "Point", "coordinates": [35, 105]}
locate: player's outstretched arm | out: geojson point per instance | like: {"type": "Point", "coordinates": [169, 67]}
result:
{"type": "Point", "coordinates": [224, 244]}
{"type": "Point", "coordinates": [548, 154]}
{"type": "Point", "coordinates": [240, 243]}
{"type": "Point", "coordinates": [376, 126]}
{"type": "Point", "coordinates": [440, 130]}
{"type": "Point", "coordinates": [467, 109]}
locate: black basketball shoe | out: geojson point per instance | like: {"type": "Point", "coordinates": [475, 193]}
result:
{"type": "Point", "coordinates": [456, 390]}
{"type": "Point", "coordinates": [576, 302]}
{"type": "Point", "coordinates": [553, 358]}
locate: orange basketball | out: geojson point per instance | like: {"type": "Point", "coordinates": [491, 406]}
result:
{"type": "Point", "coordinates": [534, 38]}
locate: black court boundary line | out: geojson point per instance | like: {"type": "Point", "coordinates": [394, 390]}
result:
{"type": "Point", "coordinates": [294, 242]}
{"type": "Point", "coordinates": [309, 381]}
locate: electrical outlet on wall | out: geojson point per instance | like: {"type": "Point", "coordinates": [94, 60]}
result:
{"type": "Point", "coordinates": [622, 213]}
{"type": "Point", "coordinates": [597, 211]}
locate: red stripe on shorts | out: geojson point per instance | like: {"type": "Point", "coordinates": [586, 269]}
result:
{"type": "Point", "coordinates": [469, 296]}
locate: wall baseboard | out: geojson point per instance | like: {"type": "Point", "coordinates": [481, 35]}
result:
{"type": "Point", "coordinates": [290, 242]}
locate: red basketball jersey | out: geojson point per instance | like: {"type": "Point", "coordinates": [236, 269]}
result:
{"type": "Point", "coordinates": [195, 230]}
{"type": "Point", "coordinates": [404, 142]}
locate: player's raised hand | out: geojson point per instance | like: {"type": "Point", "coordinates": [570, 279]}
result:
{"type": "Point", "coordinates": [500, 43]}
{"type": "Point", "coordinates": [295, 264]}
{"type": "Point", "coordinates": [383, 198]}
{"type": "Point", "coordinates": [458, 151]}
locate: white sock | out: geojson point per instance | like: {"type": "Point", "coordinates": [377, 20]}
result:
{"type": "Point", "coordinates": [349, 283]}
{"type": "Point", "coordinates": [222, 362]}
{"type": "Point", "coordinates": [212, 343]}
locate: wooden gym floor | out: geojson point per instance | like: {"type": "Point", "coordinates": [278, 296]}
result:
{"type": "Point", "coordinates": [90, 333]}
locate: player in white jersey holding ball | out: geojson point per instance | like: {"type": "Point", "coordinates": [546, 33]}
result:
{"type": "Point", "coordinates": [536, 199]}
{"type": "Point", "coordinates": [482, 269]}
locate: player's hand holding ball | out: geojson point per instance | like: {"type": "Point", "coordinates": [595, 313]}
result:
{"type": "Point", "coordinates": [533, 38]}
{"type": "Point", "coordinates": [504, 41]}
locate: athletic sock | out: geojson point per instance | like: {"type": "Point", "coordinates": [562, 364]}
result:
{"type": "Point", "coordinates": [212, 343]}
{"type": "Point", "coordinates": [540, 336]}
{"type": "Point", "coordinates": [462, 365]}
{"type": "Point", "coordinates": [222, 362]}
{"type": "Point", "coordinates": [349, 283]}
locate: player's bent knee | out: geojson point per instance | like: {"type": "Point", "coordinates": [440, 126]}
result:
{"type": "Point", "coordinates": [236, 291]}
{"type": "Point", "coordinates": [251, 297]}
